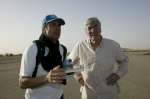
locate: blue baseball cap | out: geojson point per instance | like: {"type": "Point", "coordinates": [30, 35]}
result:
{"type": "Point", "coordinates": [51, 18]}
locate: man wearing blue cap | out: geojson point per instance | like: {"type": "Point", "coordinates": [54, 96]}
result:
{"type": "Point", "coordinates": [41, 73]}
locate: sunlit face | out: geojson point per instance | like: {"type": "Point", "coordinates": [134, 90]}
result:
{"type": "Point", "coordinates": [53, 30]}
{"type": "Point", "coordinates": [93, 30]}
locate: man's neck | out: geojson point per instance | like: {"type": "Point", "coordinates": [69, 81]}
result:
{"type": "Point", "coordinates": [54, 41]}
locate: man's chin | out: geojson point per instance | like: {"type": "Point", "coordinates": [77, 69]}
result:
{"type": "Point", "coordinates": [56, 38]}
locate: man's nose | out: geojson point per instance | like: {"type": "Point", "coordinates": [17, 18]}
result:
{"type": "Point", "coordinates": [92, 30]}
{"type": "Point", "coordinates": [58, 27]}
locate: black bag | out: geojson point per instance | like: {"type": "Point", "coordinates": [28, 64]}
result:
{"type": "Point", "coordinates": [41, 52]}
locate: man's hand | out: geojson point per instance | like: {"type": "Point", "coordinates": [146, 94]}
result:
{"type": "Point", "coordinates": [112, 79]}
{"type": "Point", "coordinates": [79, 78]}
{"type": "Point", "coordinates": [76, 61]}
{"type": "Point", "coordinates": [56, 75]}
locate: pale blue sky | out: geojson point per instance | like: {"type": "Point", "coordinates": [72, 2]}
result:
{"type": "Point", "coordinates": [125, 21]}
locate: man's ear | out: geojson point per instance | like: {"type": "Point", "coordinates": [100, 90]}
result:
{"type": "Point", "coordinates": [44, 29]}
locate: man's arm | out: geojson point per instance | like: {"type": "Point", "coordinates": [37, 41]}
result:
{"type": "Point", "coordinates": [122, 61]}
{"type": "Point", "coordinates": [121, 71]}
{"type": "Point", "coordinates": [122, 68]}
{"type": "Point", "coordinates": [79, 78]}
{"type": "Point", "coordinates": [30, 82]}
{"type": "Point", "coordinates": [55, 76]}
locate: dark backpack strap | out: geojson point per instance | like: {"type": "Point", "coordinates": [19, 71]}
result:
{"type": "Point", "coordinates": [64, 52]}
{"type": "Point", "coordinates": [39, 56]}
{"type": "Point", "coordinates": [64, 57]}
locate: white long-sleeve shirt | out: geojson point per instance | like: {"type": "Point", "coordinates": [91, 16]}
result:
{"type": "Point", "coordinates": [102, 63]}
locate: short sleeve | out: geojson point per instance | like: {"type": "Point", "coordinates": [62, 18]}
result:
{"type": "Point", "coordinates": [28, 60]}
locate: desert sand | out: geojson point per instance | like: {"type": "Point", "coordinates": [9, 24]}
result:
{"type": "Point", "coordinates": [135, 85]}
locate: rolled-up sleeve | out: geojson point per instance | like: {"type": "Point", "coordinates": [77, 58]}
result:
{"type": "Point", "coordinates": [122, 60]}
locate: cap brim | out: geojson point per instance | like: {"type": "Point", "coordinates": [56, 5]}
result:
{"type": "Point", "coordinates": [61, 21]}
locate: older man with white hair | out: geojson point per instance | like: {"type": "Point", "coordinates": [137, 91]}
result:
{"type": "Point", "coordinates": [98, 55]}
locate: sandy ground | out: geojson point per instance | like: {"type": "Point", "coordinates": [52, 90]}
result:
{"type": "Point", "coordinates": [136, 85]}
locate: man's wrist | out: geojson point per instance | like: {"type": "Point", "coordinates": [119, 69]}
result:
{"type": "Point", "coordinates": [117, 76]}
{"type": "Point", "coordinates": [77, 76]}
{"type": "Point", "coordinates": [45, 79]}
{"type": "Point", "coordinates": [79, 79]}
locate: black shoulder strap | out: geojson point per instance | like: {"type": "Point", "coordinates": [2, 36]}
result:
{"type": "Point", "coordinates": [41, 52]}
{"type": "Point", "coordinates": [64, 52]}
{"type": "Point", "coordinates": [39, 56]}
